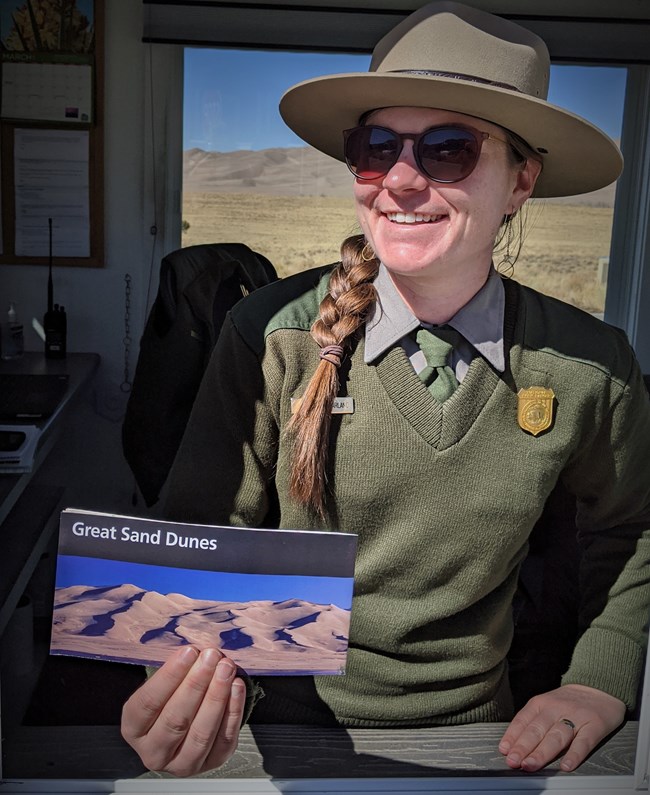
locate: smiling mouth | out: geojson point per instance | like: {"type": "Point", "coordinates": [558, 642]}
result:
{"type": "Point", "coordinates": [413, 218]}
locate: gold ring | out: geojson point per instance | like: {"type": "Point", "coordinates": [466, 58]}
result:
{"type": "Point", "coordinates": [568, 723]}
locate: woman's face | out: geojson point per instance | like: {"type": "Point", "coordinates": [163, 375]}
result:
{"type": "Point", "coordinates": [421, 228]}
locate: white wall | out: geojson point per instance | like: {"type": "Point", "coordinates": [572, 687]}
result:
{"type": "Point", "coordinates": [94, 297]}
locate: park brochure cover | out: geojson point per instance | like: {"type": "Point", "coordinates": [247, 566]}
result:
{"type": "Point", "coordinates": [132, 589]}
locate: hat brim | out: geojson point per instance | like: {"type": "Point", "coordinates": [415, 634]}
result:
{"type": "Point", "coordinates": [577, 156]}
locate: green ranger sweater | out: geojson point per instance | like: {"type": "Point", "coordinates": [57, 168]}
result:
{"type": "Point", "coordinates": [442, 497]}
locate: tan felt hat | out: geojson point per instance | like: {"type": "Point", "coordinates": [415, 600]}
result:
{"type": "Point", "coordinates": [450, 56]}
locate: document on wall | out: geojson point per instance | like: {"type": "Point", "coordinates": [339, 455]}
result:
{"type": "Point", "coordinates": [51, 180]}
{"type": "Point", "coordinates": [47, 91]}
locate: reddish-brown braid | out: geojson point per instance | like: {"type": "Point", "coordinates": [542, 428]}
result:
{"type": "Point", "coordinates": [342, 313]}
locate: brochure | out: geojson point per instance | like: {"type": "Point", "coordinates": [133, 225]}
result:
{"type": "Point", "coordinates": [133, 589]}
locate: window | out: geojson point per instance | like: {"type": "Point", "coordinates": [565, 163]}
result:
{"type": "Point", "coordinates": [248, 178]}
{"type": "Point", "coordinates": [566, 249]}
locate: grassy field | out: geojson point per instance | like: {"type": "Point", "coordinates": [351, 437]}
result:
{"type": "Point", "coordinates": [560, 255]}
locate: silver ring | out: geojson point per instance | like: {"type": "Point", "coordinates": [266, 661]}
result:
{"type": "Point", "coordinates": [568, 723]}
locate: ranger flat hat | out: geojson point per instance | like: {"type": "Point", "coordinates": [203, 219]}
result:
{"type": "Point", "coordinates": [450, 56]}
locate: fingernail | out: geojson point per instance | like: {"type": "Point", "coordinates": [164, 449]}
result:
{"type": "Point", "coordinates": [188, 655]}
{"type": "Point", "coordinates": [504, 747]}
{"type": "Point", "coordinates": [515, 759]}
{"type": "Point", "coordinates": [567, 765]}
{"type": "Point", "coordinates": [225, 670]}
{"type": "Point", "coordinates": [238, 688]}
{"type": "Point", "coordinates": [209, 658]}
{"type": "Point", "coordinates": [530, 765]}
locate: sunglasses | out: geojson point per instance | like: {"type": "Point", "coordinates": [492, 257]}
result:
{"type": "Point", "coordinates": [447, 153]}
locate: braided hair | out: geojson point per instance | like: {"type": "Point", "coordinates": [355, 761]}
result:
{"type": "Point", "coordinates": [343, 311]}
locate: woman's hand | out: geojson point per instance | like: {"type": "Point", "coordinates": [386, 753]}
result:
{"type": "Point", "coordinates": [185, 719]}
{"type": "Point", "coordinates": [573, 717]}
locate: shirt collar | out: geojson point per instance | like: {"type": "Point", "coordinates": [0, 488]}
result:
{"type": "Point", "coordinates": [480, 321]}
{"type": "Point", "coordinates": [390, 319]}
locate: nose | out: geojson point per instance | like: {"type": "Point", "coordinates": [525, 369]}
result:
{"type": "Point", "coordinates": [405, 174]}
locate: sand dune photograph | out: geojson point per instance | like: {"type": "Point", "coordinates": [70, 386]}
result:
{"type": "Point", "coordinates": [133, 589]}
{"type": "Point", "coordinates": [126, 623]}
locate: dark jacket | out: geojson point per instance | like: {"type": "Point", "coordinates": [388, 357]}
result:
{"type": "Point", "coordinates": [198, 286]}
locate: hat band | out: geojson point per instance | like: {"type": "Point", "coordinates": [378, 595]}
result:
{"type": "Point", "coordinates": [455, 76]}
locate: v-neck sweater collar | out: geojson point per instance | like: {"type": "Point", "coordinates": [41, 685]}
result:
{"type": "Point", "coordinates": [443, 424]}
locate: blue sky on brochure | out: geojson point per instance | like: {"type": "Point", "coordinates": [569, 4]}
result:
{"type": "Point", "coordinates": [231, 96]}
{"type": "Point", "coordinates": [218, 585]}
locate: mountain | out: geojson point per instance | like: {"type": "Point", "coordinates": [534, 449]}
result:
{"type": "Point", "coordinates": [296, 171]}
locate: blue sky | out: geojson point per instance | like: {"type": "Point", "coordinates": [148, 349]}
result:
{"type": "Point", "coordinates": [231, 96]}
{"type": "Point", "coordinates": [76, 570]}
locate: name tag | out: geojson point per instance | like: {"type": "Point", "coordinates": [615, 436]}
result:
{"type": "Point", "coordinates": [341, 405]}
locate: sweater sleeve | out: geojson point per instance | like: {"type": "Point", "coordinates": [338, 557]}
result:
{"type": "Point", "coordinates": [223, 472]}
{"type": "Point", "coordinates": [611, 480]}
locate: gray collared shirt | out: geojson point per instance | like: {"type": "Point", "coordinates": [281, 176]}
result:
{"type": "Point", "coordinates": [480, 322]}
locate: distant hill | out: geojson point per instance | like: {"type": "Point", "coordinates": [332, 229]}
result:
{"type": "Point", "coordinates": [295, 171]}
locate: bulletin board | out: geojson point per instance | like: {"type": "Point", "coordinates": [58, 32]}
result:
{"type": "Point", "coordinates": [51, 132]}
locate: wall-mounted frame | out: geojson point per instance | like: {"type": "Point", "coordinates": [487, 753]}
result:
{"type": "Point", "coordinates": [51, 147]}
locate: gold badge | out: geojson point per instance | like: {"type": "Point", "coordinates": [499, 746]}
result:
{"type": "Point", "coordinates": [535, 410]}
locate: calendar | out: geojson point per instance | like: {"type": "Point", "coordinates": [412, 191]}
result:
{"type": "Point", "coordinates": [47, 92]}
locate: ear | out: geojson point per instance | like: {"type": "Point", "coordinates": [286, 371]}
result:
{"type": "Point", "coordinates": [525, 179]}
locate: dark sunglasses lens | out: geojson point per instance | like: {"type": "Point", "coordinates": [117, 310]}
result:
{"type": "Point", "coordinates": [371, 152]}
{"type": "Point", "coordinates": [448, 154]}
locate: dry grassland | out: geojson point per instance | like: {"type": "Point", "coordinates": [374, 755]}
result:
{"type": "Point", "coordinates": [560, 254]}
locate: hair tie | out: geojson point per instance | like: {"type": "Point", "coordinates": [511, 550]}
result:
{"type": "Point", "coordinates": [332, 354]}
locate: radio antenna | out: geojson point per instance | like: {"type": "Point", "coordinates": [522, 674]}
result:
{"type": "Point", "coordinates": [50, 286]}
